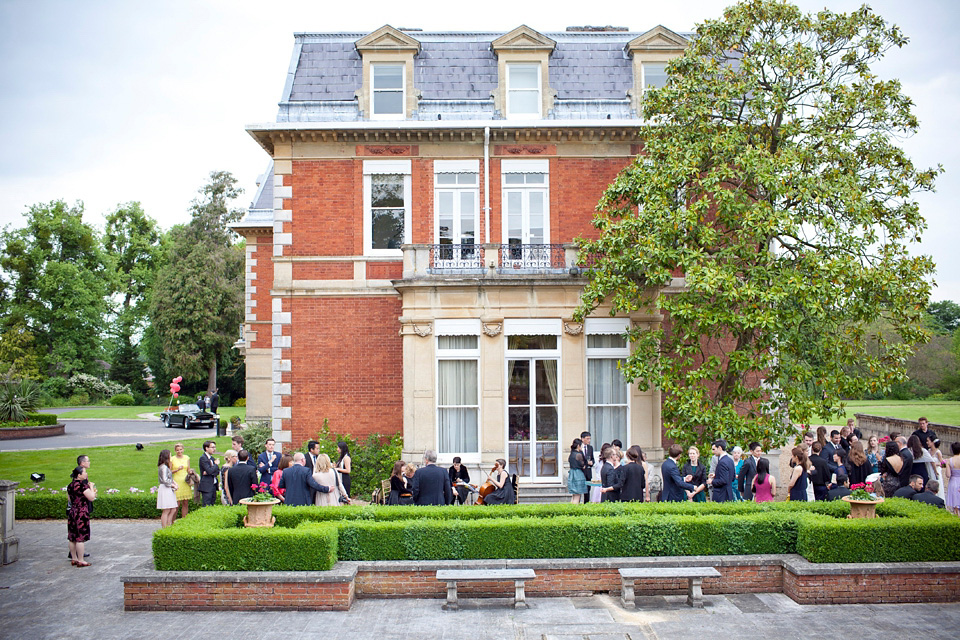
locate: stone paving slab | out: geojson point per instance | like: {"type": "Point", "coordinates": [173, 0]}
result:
{"type": "Point", "coordinates": [42, 596]}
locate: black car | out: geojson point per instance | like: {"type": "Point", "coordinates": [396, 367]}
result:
{"type": "Point", "coordinates": [189, 415]}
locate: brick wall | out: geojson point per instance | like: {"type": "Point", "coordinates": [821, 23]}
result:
{"type": "Point", "coordinates": [238, 596]}
{"type": "Point", "coordinates": [576, 185]}
{"type": "Point", "coordinates": [346, 365]}
{"type": "Point", "coordinates": [339, 270]}
{"type": "Point", "coordinates": [327, 208]}
{"type": "Point", "coordinates": [263, 281]}
{"type": "Point", "coordinates": [872, 588]}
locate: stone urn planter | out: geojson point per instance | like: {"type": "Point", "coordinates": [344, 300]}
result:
{"type": "Point", "coordinates": [259, 514]}
{"type": "Point", "coordinates": [862, 508]}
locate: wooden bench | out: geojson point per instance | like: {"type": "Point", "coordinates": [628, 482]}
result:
{"type": "Point", "coordinates": [453, 576]}
{"type": "Point", "coordinates": [694, 574]}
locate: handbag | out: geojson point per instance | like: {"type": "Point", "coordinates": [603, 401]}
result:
{"type": "Point", "coordinates": [344, 498]}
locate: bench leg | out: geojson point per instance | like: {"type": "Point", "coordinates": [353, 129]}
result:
{"type": "Point", "coordinates": [519, 597]}
{"type": "Point", "coordinates": [695, 597]}
{"type": "Point", "coordinates": [627, 599]}
{"type": "Point", "coordinates": [451, 604]}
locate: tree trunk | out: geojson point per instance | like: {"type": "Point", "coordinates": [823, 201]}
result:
{"type": "Point", "coordinates": [212, 377]}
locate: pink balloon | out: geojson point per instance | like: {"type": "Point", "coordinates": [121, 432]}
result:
{"type": "Point", "coordinates": [176, 395]}
{"type": "Point", "coordinates": [178, 379]}
{"type": "Point", "coordinates": [175, 387]}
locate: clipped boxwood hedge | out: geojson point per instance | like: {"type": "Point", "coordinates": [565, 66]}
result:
{"type": "Point", "coordinates": [213, 539]}
{"type": "Point", "coordinates": [44, 505]}
{"type": "Point", "coordinates": [311, 537]}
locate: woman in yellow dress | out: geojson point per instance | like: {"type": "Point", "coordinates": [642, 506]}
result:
{"type": "Point", "coordinates": [180, 465]}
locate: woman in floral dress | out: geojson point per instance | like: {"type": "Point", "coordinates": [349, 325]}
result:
{"type": "Point", "coordinates": [80, 497]}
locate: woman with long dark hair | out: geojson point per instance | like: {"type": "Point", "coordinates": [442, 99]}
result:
{"type": "Point", "coordinates": [503, 494]}
{"type": "Point", "coordinates": [764, 485]}
{"type": "Point", "coordinates": [798, 478]}
{"type": "Point", "coordinates": [398, 484]}
{"type": "Point", "coordinates": [890, 468]}
{"type": "Point", "coordinates": [166, 489]}
{"type": "Point", "coordinates": [343, 465]}
{"type": "Point", "coordinates": [922, 460]}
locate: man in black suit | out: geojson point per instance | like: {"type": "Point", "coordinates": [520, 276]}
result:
{"type": "Point", "coordinates": [267, 461]}
{"type": "Point", "coordinates": [831, 449]}
{"type": "Point", "coordinates": [313, 451]}
{"type": "Point", "coordinates": [924, 432]}
{"type": "Point", "coordinates": [201, 402]}
{"type": "Point", "coordinates": [241, 477]}
{"type": "Point", "coordinates": [906, 471]}
{"type": "Point", "coordinates": [748, 471]}
{"type": "Point", "coordinates": [930, 495]}
{"type": "Point", "coordinates": [676, 488]}
{"type": "Point", "coordinates": [820, 476]}
{"type": "Point", "coordinates": [209, 473]}
{"type": "Point", "coordinates": [842, 488]}
{"type": "Point", "coordinates": [214, 401]}
{"type": "Point", "coordinates": [914, 486]}
{"type": "Point", "coordinates": [587, 461]}
{"type": "Point", "coordinates": [431, 484]}
{"type": "Point", "coordinates": [298, 484]}
{"type": "Point", "coordinates": [723, 478]}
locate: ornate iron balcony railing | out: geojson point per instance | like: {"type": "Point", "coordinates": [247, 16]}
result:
{"type": "Point", "coordinates": [532, 258]}
{"type": "Point", "coordinates": [456, 257]}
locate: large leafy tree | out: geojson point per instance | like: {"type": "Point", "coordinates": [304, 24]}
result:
{"type": "Point", "coordinates": [771, 181]}
{"type": "Point", "coordinates": [132, 242]}
{"type": "Point", "coordinates": [196, 302]}
{"type": "Point", "coordinates": [56, 283]}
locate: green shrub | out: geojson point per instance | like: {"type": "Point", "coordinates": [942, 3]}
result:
{"type": "Point", "coordinates": [371, 459]}
{"type": "Point", "coordinates": [121, 400]}
{"type": "Point", "coordinates": [55, 387]}
{"type": "Point", "coordinates": [17, 398]}
{"type": "Point", "coordinates": [44, 419]}
{"type": "Point", "coordinates": [255, 437]}
{"type": "Point", "coordinates": [212, 539]}
{"type": "Point", "coordinates": [821, 532]}
{"type": "Point", "coordinates": [240, 402]}
{"type": "Point", "coordinates": [46, 504]}
{"type": "Point", "coordinates": [79, 399]}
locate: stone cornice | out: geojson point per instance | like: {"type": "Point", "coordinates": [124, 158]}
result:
{"type": "Point", "coordinates": [420, 132]}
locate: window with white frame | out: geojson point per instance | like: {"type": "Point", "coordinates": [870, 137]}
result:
{"type": "Point", "coordinates": [456, 203]}
{"type": "Point", "coordinates": [387, 90]}
{"type": "Point", "coordinates": [526, 214]}
{"type": "Point", "coordinates": [523, 90]}
{"type": "Point", "coordinates": [386, 200]}
{"type": "Point", "coordinates": [458, 390]}
{"type": "Point", "coordinates": [654, 75]}
{"type": "Point", "coordinates": [608, 397]}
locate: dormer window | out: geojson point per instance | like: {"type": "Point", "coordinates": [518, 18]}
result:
{"type": "Point", "coordinates": [523, 90]}
{"type": "Point", "coordinates": [651, 52]}
{"type": "Point", "coordinates": [387, 95]}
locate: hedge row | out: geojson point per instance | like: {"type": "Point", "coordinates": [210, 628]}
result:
{"type": "Point", "coordinates": [213, 540]}
{"type": "Point", "coordinates": [42, 506]}
{"type": "Point", "coordinates": [314, 537]}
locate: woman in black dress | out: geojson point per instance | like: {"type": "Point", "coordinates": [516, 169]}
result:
{"type": "Point", "coordinates": [398, 486]}
{"type": "Point", "coordinates": [80, 497]}
{"type": "Point", "coordinates": [633, 477]}
{"type": "Point", "coordinates": [609, 476]}
{"type": "Point", "coordinates": [698, 472]}
{"type": "Point", "coordinates": [798, 477]}
{"type": "Point", "coordinates": [503, 494]}
{"type": "Point", "coordinates": [890, 468]}
{"type": "Point", "coordinates": [343, 466]}
{"type": "Point", "coordinates": [858, 467]}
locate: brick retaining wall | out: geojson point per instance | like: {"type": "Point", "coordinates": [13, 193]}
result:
{"type": "Point", "coordinates": [804, 582]}
{"type": "Point", "coordinates": [43, 431]}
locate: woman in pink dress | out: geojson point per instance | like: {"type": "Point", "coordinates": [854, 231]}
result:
{"type": "Point", "coordinates": [764, 486]}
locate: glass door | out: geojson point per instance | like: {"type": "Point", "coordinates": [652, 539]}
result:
{"type": "Point", "coordinates": [525, 205]}
{"type": "Point", "coordinates": [533, 418]}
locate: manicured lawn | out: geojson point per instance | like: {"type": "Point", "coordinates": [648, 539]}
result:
{"type": "Point", "coordinates": [942, 412]}
{"type": "Point", "coordinates": [117, 467]}
{"type": "Point", "coordinates": [133, 413]}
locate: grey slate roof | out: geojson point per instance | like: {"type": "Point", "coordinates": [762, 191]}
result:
{"type": "Point", "coordinates": [454, 66]}
{"type": "Point", "coordinates": [260, 212]}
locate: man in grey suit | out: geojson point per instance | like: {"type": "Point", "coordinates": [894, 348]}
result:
{"type": "Point", "coordinates": [748, 471]}
{"type": "Point", "coordinates": [431, 484]}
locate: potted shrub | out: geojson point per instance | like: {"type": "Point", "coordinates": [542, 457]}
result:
{"type": "Point", "coordinates": [862, 503]}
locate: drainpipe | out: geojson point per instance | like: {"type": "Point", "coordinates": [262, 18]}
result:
{"type": "Point", "coordinates": [486, 184]}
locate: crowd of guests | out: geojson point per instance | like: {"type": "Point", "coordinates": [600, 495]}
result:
{"type": "Point", "coordinates": [295, 479]}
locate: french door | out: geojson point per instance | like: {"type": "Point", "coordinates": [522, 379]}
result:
{"type": "Point", "coordinates": [533, 418]}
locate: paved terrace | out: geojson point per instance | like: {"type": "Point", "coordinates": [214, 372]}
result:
{"type": "Point", "coordinates": [43, 596]}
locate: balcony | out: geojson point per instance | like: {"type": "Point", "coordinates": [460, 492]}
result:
{"type": "Point", "coordinates": [489, 260]}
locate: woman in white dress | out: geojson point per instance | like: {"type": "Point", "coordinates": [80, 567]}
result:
{"type": "Point", "coordinates": [166, 490]}
{"type": "Point", "coordinates": [325, 474]}
{"type": "Point", "coordinates": [933, 446]}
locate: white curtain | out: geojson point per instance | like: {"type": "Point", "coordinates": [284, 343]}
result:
{"type": "Point", "coordinates": [457, 405]}
{"type": "Point", "coordinates": [606, 401]}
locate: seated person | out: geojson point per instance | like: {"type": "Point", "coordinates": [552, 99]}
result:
{"type": "Point", "coordinates": [914, 487]}
{"type": "Point", "coordinates": [930, 495]}
{"type": "Point", "coordinates": [399, 491]}
{"type": "Point", "coordinates": [842, 488]}
{"type": "Point", "coordinates": [458, 473]}
{"type": "Point", "coordinates": [503, 494]}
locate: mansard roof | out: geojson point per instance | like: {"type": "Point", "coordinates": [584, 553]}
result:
{"type": "Point", "coordinates": [327, 67]}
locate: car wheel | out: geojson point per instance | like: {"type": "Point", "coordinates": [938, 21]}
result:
{"type": "Point", "coordinates": [186, 423]}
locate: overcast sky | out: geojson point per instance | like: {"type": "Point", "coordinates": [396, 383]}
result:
{"type": "Point", "coordinates": [108, 102]}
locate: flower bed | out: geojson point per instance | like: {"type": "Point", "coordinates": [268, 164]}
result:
{"type": "Point", "coordinates": [311, 537]}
